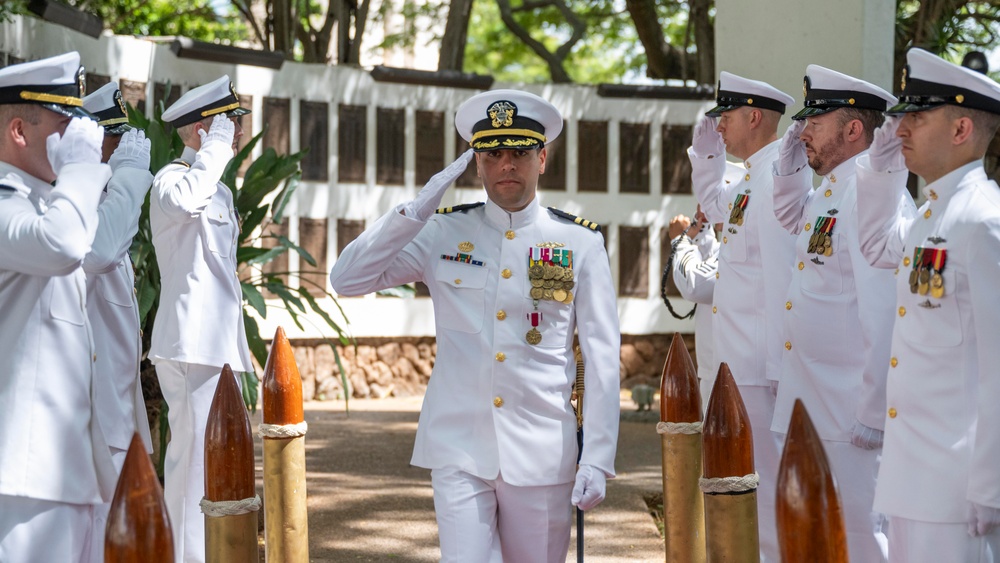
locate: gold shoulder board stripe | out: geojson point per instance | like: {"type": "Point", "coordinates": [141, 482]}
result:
{"type": "Point", "coordinates": [578, 220]}
{"type": "Point", "coordinates": [462, 207]}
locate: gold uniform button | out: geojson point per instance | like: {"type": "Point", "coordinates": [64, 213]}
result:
{"type": "Point", "coordinates": [747, 177]}
{"type": "Point", "coordinates": [716, 275]}
{"type": "Point", "coordinates": [802, 265]}
{"type": "Point", "coordinates": [501, 315]}
{"type": "Point", "coordinates": [808, 226]}
{"type": "Point", "coordinates": [902, 311]}
{"type": "Point", "coordinates": [893, 362]}
{"type": "Point", "coordinates": [501, 356]}
{"type": "Point", "coordinates": [828, 193]}
{"type": "Point", "coordinates": [510, 235]}
{"type": "Point", "coordinates": [458, 281]}
{"type": "Point", "coordinates": [715, 310]}
{"type": "Point", "coordinates": [788, 345]}
{"type": "Point", "coordinates": [788, 305]}
{"type": "Point", "coordinates": [498, 401]}
{"type": "Point", "coordinates": [892, 412]}
{"type": "Point", "coordinates": [725, 240]}
{"type": "Point", "coordinates": [906, 260]}
{"type": "Point", "coordinates": [506, 273]}
{"type": "Point", "coordinates": [927, 214]}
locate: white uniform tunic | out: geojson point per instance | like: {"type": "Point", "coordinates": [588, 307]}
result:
{"type": "Point", "coordinates": [942, 447]}
{"type": "Point", "coordinates": [755, 266]}
{"type": "Point", "coordinates": [50, 447]}
{"type": "Point", "coordinates": [194, 224]}
{"type": "Point", "coordinates": [695, 264]}
{"type": "Point", "coordinates": [838, 310]}
{"type": "Point", "coordinates": [114, 312]}
{"type": "Point", "coordinates": [494, 402]}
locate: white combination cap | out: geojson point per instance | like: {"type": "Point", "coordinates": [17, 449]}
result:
{"type": "Point", "coordinates": [206, 100]}
{"type": "Point", "coordinates": [825, 90]}
{"type": "Point", "coordinates": [930, 81]}
{"type": "Point", "coordinates": [507, 119]}
{"type": "Point", "coordinates": [735, 91]}
{"type": "Point", "coordinates": [108, 107]}
{"type": "Point", "coordinates": [56, 83]}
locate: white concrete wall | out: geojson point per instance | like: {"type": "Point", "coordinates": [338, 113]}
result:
{"type": "Point", "coordinates": [774, 40]}
{"type": "Point", "coordinates": [144, 61]}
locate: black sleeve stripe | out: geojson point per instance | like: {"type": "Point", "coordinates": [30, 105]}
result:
{"type": "Point", "coordinates": [463, 207]}
{"type": "Point", "coordinates": [578, 220]}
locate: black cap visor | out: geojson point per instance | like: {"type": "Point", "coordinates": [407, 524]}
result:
{"type": "Point", "coordinates": [719, 110]}
{"type": "Point", "coordinates": [69, 111]}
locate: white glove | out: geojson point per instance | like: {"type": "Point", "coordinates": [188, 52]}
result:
{"type": "Point", "coordinates": [886, 152]}
{"type": "Point", "coordinates": [706, 142]}
{"type": "Point", "coordinates": [792, 151]}
{"type": "Point", "coordinates": [222, 130]}
{"type": "Point", "coordinates": [983, 519]}
{"type": "Point", "coordinates": [429, 197]}
{"type": "Point", "coordinates": [590, 487]}
{"type": "Point", "coordinates": [81, 143]}
{"type": "Point", "coordinates": [132, 151]}
{"type": "Point", "coordinates": [866, 437]}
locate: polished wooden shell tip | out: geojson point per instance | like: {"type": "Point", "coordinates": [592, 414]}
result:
{"type": "Point", "coordinates": [138, 528]}
{"type": "Point", "coordinates": [727, 435]}
{"type": "Point", "coordinates": [282, 386]}
{"type": "Point", "coordinates": [810, 519]}
{"type": "Point", "coordinates": [680, 399]}
{"type": "Point", "coordinates": [229, 461]}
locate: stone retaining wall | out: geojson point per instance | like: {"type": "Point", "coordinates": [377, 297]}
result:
{"type": "Point", "coordinates": [401, 367]}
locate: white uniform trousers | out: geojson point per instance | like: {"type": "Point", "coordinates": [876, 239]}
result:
{"type": "Point", "coordinates": [188, 390]}
{"type": "Point", "coordinates": [480, 519]}
{"type": "Point", "coordinates": [32, 530]}
{"type": "Point", "coordinates": [759, 402]}
{"type": "Point", "coordinates": [855, 470]}
{"type": "Point", "coordinates": [912, 541]}
{"type": "Point", "coordinates": [101, 512]}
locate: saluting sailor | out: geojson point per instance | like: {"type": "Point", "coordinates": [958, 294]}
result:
{"type": "Point", "coordinates": [755, 260]}
{"type": "Point", "coordinates": [199, 323]}
{"type": "Point", "coordinates": [511, 283]}
{"type": "Point", "coordinates": [939, 480]}
{"type": "Point", "coordinates": [111, 300]}
{"type": "Point", "coordinates": [54, 462]}
{"type": "Point", "coordinates": [838, 311]}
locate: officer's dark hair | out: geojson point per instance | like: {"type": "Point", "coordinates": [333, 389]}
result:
{"type": "Point", "coordinates": [870, 119]}
{"type": "Point", "coordinates": [31, 113]}
{"type": "Point", "coordinates": [985, 124]}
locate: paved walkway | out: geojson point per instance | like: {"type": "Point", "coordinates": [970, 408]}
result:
{"type": "Point", "coordinates": [366, 503]}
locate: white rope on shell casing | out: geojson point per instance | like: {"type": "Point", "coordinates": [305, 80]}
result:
{"type": "Point", "coordinates": [678, 427]}
{"type": "Point", "coordinates": [729, 484]}
{"type": "Point", "coordinates": [282, 430]}
{"type": "Point", "coordinates": [218, 509]}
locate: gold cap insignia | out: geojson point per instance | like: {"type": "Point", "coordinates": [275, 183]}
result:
{"type": "Point", "coordinates": [502, 113]}
{"type": "Point", "coordinates": [902, 83]}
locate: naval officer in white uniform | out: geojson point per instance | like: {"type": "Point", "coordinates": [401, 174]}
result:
{"type": "Point", "coordinates": [512, 282]}
{"type": "Point", "coordinates": [939, 481]}
{"type": "Point", "coordinates": [838, 311]}
{"type": "Point", "coordinates": [111, 300]}
{"type": "Point", "coordinates": [755, 260]}
{"type": "Point", "coordinates": [199, 323]}
{"type": "Point", "coordinates": [54, 462]}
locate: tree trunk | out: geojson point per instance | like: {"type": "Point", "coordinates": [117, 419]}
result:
{"type": "Point", "coordinates": [283, 37]}
{"type": "Point", "coordinates": [359, 20]}
{"type": "Point", "coordinates": [704, 41]}
{"type": "Point", "coordinates": [662, 59]}
{"type": "Point", "coordinates": [456, 32]}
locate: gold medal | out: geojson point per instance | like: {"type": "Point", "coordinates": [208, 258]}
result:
{"type": "Point", "coordinates": [569, 298]}
{"type": "Point", "coordinates": [812, 243]}
{"type": "Point", "coordinates": [536, 272]}
{"type": "Point", "coordinates": [546, 294]}
{"type": "Point", "coordinates": [913, 280]}
{"type": "Point", "coordinates": [937, 286]}
{"type": "Point", "coordinates": [547, 284]}
{"type": "Point", "coordinates": [829, 249]}
{"type": "Point", "coordinates": [559, 295]}
{"type": "Point", "coordinates": [537, 293]}
{"type": "Point", "coordinates": [925, 278]}
{"type": "Point", "coordinates": [533, 337]}
{"type": "Point", "coordinates": [537, 283]}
